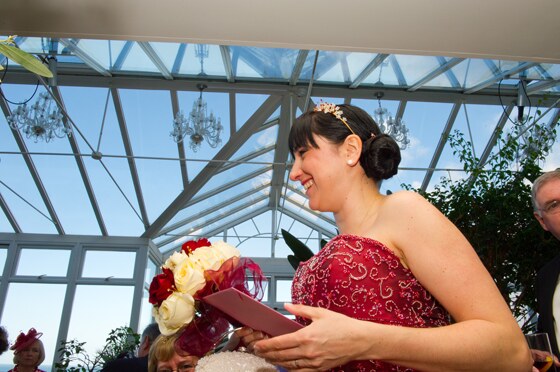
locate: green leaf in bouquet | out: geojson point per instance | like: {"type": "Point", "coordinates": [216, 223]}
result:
{"type": "Point", "coordinates": [26, 60]}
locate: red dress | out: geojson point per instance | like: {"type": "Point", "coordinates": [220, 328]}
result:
{"type": "Point", "coordinates": [363, 279]}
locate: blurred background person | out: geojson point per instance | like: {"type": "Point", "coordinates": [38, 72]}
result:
{"type": "Point", "coordinates": [29, 352]}
{"type": "Point", "coordinates": [3, 340]}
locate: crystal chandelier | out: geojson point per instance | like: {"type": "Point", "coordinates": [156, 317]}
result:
{"type": "Point", "coordinates": [41, 121]}
{"type": "Point", "coordinates": [199, 126]}
{"type": "Point", "coordinates": [390, 125]}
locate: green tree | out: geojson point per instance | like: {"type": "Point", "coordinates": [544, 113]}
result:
{"type": "Point", "coordinates": [492, 208]}
{"type": "Point", "coordinates": [74, 357]}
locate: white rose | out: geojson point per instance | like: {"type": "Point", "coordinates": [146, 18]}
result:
{"type": "Point", "coordinates": [189, 278]}
{"type": "Point", "coordinates": [226, 250]}
{"type": "Point", "coordinates": [175, 260]}
{"type": "Point", "coordinates": [176, 311]}
{"type": "Point", "coordinates": [206, 258]}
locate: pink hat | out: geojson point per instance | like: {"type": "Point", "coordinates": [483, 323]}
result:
{"type": "Point", "coordinates": [24, 340]}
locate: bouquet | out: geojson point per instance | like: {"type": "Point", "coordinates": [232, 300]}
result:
{"type": "Point", "coordinates": [199, 269]}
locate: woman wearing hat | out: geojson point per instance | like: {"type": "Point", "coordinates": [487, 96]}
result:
{"type": "Point", "coordinates": [29, 352]}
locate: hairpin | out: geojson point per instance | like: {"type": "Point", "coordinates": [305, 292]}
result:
{"type": "Point", "coordinates": [331, 108]}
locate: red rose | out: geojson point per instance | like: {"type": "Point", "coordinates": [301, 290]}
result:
{"type": "Point", "coordinates": [161, 287]}
{"type": "Point", "coordinates": [190, 246]}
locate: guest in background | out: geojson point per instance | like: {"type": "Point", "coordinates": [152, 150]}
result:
{"type": "Point", "coordinates": [29, 352]}
{"type": "Point", "coordinates": [545, 196]}
{"type": "Point", "coordinates": [139, 364]}
{"type": "Point", "coordinates": [166, 356]}
{"type": "Point", "coordinates": [3, 340]}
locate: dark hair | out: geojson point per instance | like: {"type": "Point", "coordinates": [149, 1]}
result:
{"type": "Point", "coordinates": [3, 340]}
{"type": "Point", "coordinates": [380, 156]}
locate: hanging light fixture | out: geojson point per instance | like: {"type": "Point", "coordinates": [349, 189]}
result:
{"type": "Point", "coordinates": [40, 121]}
{"type": "Point", "coordinates": [199, 126]}
{"type": "Point", "coordinates": [390, 125]}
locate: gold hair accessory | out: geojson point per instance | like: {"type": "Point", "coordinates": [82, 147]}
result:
{"type": "Point", "coordinates": [331, 108]}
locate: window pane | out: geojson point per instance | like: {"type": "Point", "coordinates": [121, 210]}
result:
{"type": "Point", "coordinates": [36, 306]}
{"type": "Point", "coordinates": [284, 290]}
{"type": "Point", "coordinates": [145, 312]}
{"type": "Point", "coordinates": [49, 262]}
{"type": "Point", "coordinates": [97, 310]}
{"type": "Point", "coordinates": [104, 264]}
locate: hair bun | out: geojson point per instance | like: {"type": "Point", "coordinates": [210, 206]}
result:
{"type": "Point", "coordinates": [380, 157]}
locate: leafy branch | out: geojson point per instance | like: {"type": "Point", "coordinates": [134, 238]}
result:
{"type": "Point", "coordinates": [9, 49]}
{"type": "Point", "coordinates": [492, 208]}
{"type": "Point", "coordinates": [74, 358]}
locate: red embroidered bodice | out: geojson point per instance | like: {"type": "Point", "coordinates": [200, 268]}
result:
{"type": "Point", "coordinates": [363, 279]}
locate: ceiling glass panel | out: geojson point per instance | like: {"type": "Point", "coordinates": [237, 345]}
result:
{"type": "Point", "coordinates": [103, 52]}
{"type": "Point", "coordinates": [246, 105]}
{"type": "Point", "coordinates": [238, 216]}
{"type": "Point", "coordinates": [20, 193]}
{"type": "Point", "coordinates": [212, 65]}
{"type": "Point", "coordinates": [383, 75]}
{"type": "Point", "coordinates": [138, 60]}
{"type": "Point", "coordinates": [446, 79]}
{"type": "Point", "coordinates": [482, 120]}
{"type": "Point", "coordinates": [110, 179]}
{"type": "Point", "coordinates": [415, 68]}
{"type": "Point", "coordinates": [357, 62]}
{"type": "Point", "coordinates": [202, 217]}
{"type": "Point", "coordinates": [423, 119]}
{"type": "Point", "coordinates": [66, 189]}
{"type": "Point", "coordinates": [168, 53]}
{"type": "Point", "coordinates": [268, 63]}
{"type": "Point", "coordinates": [258, 141]}
{"type": "Point", "coordinates": [472, 72]}
{"type": "Point", "coordinates": [332, 67]}
{"type": "Point", "coordinates": [218, 198]}
{"type": "Point", "coordinates": [236, 172]}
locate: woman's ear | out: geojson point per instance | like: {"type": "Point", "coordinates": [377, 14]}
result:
{"type": "Point", "coordinates": [352, 149]}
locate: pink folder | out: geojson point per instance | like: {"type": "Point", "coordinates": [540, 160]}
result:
{"type": "Point", "coordinates": [251, 313]}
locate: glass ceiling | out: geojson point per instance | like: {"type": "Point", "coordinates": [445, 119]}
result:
{"type": "Point", "coordinates": [120, 97]}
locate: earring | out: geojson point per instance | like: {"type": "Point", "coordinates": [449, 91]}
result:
{"type": "Point", "coordinates": [349, 162]}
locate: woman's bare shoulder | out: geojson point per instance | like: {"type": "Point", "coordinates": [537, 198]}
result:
{"type": "Point", "coordinates": [405, 198]}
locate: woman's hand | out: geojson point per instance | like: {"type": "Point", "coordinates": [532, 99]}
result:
{"type": "Point", "coordinates": [329, 341]}
{"type": "Point", "coordinates": [248, 337]}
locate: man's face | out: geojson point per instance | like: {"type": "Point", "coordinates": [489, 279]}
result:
{"type": "Point", "coordinates": [546, 196]}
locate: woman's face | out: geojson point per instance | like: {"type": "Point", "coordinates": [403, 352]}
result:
{"type": "Point", "coordinates": [29, 356]}
{"type": "Point", "coordinates": [179, 363]}
{"type": "Point", "coordinates": [320, 171]}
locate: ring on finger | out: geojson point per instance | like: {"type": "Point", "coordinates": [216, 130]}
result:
{"type": "Point", "coordinates": [296, 364]}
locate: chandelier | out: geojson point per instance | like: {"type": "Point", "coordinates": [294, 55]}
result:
{"type": "Point", "coordinates": [199, 126]}
{"type": "Point", "coordinates": [390, 125]}
{"type": "Point", "coordinates": [40, 121]}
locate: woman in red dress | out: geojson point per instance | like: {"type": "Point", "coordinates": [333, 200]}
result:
{"type": "Point", "coordinates": [380, 296]}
